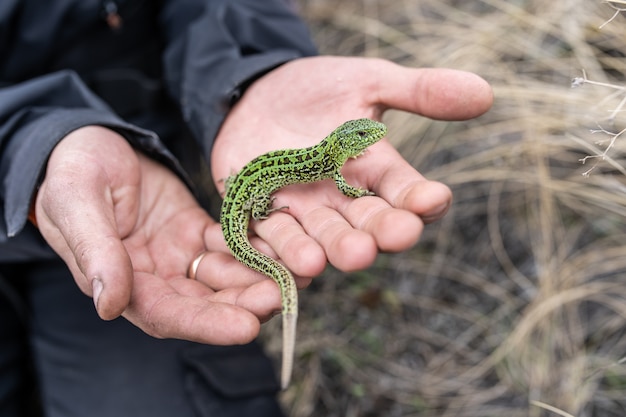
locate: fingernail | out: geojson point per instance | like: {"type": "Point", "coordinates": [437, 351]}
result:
{"type": "Point", "coordinates": [436, 214]}
{"type": "Point", "coordinates": [96, 290]}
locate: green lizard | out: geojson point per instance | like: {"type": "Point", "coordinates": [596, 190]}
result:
{"type": "Point", "coordinates": [248, 194]}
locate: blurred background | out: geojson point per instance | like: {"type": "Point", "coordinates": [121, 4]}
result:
{"type": "Point", "coordinates": [515, 303]}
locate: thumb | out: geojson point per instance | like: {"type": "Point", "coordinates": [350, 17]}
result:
{"type": "Point", "coordinates": [77, 211]}
{"type": "Point", "coordinates": [437, 93]}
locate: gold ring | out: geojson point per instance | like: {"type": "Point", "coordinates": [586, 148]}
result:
{"type": "Point", "coordinates": [193, 268]}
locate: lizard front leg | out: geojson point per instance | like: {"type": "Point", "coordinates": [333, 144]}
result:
{"type": "Point", "coordinates": [348, 189]}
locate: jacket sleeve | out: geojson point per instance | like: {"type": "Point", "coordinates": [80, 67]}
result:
{"type": "Point", "coordinates": [34, 116]}
{"type": "Point", "coordinates": [214, 54]}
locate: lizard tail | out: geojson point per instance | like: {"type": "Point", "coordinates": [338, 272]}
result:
{"type": "Point", "coordinates": [289, 343]}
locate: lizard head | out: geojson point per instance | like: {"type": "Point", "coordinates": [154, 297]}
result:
{"type": "Point", "coordinates": [351, 138]}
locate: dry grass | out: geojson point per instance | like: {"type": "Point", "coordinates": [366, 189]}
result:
{"type": "Point", "coordinates": [515, 303]}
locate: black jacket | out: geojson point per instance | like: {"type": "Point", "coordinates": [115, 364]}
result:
{"type": "Point", "coordinates": [144, 68]}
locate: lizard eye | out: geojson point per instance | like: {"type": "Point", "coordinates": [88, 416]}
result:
{"type": "Point", "coordinates": [361, 133]}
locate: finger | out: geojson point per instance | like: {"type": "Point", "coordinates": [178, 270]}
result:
{"type": "Point", "coordinates": [400, 185]}
{"type": "Point", "coordinates": [393, 229]}
{"type": "Point", "coordinates": [261, 298]}
{"type": "Point", "coordinates": [438, 93]}
{"type": "Point", "coordinates": [431, 200]}
{"type": "Point", "coordinates": [347, 248]}
{"type": "Point", "coordinates": [219, 271]}
{"type": "Point", "coordinates": [299, 251]}
{"type": "Point", "coordinates": [161, 312]}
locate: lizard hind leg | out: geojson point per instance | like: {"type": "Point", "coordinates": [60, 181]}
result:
{"type": "Point", "coordinates": [260, 206]}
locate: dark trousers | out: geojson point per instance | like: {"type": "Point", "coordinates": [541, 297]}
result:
{"type": "Point", "coordinates": [57, 358]}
